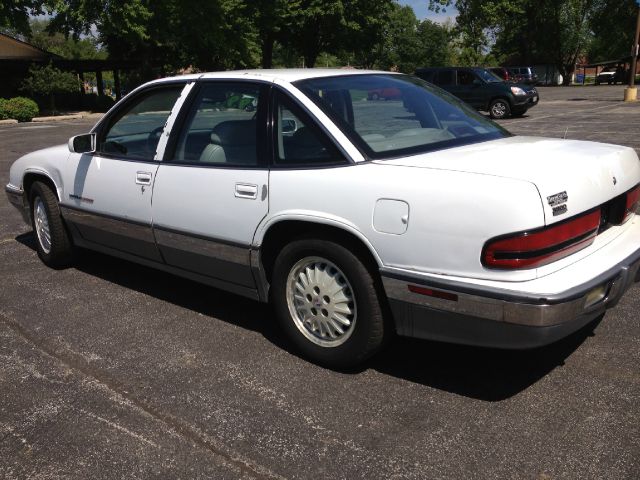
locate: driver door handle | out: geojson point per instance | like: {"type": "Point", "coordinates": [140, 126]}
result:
{"type": "Point", "coordinates": [143, 178]}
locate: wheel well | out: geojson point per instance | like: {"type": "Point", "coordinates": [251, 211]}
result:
{"type": "Point", "coordinates": [506, 99]}
{"type": "Point", "coordinates": [30, 178]}
{"type": "Point", "coordinates": [286, 231]}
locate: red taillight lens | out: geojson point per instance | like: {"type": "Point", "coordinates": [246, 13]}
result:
{"type": "Point", "coordinates": [537, 248]}
{"type": "Point", "coordinates": [633, 198]}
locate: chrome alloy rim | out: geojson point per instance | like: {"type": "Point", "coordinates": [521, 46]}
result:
{"type": "Point", "coordinates": [499, 109]}
{"type": "Point", "coordinates": [42, 225]}
{"type": "Point", "coordinates": [321, 301]}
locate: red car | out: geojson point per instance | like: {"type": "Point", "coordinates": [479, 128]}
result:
{"type": "Point", "coordinates": [503, 73]}
{"type": "Point", "coordinates": [384, 94]}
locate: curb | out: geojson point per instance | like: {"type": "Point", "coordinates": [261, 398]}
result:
{"type": "Point", "coordinates": [57, 118]}
{"type": "Point", "coordinates": [10, 121]}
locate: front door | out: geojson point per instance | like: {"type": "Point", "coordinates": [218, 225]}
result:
{"type": "Point", "coordinates": [211, 189]}
{"type": "Point", "coordinates": [107, 198]}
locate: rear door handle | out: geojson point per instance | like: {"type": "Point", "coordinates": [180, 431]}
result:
{"type": "Point", "coordinates": [246, 190]}
{"type": "Point", "coordinates": [143, 178]}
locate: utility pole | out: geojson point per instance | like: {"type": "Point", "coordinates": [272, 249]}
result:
{"type": "Point", "coordinates": [631, 92]}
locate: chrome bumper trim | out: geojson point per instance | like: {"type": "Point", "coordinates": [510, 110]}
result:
{"type": "Point", "coordinates": [16, 198]}
{"type": "Point", "coordinates": [522, 312]}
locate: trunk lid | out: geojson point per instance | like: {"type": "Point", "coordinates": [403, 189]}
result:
{"type": "Point", "coordinates": [571, 175]}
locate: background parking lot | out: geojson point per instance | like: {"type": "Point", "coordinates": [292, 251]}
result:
{"type": "Point", "coordinates": [113, 370]}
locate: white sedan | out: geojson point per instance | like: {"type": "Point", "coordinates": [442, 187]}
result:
{"type": "Point", "coordinates": [357, 219]}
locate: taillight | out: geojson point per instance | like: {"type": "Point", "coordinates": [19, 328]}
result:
{"type": "Point", "coordinates": [540, 247]}
{"type": "Point", "coordinates": [632, 201]}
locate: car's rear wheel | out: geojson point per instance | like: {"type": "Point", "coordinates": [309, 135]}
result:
{"type": "Point", "coordinates": [499, 108]}
{"type": "Point", "coordinates": [53, 244]}
{"type": "Point", "coordinates": [327, 303]}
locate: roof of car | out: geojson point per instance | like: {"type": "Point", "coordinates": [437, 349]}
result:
{"type": "Point", "coordinates": [286, 74]}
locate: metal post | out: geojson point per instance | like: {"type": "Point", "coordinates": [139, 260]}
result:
{"type": "Point", "coordinates": [631, 92]}
{"type": "Point", "coordinates": [116, 84]}
{"type": "Point", "coordinates": [99, 83]}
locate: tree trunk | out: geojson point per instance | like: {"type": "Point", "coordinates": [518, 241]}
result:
{"type": "Point", "coordinates": [267, 51]}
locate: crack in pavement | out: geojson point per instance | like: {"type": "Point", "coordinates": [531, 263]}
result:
{"type": "Point", "coordinates": [177, 425]}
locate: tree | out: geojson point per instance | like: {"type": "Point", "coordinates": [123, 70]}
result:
{"type": "Point", "coordinates": [172, 34]}
{"type": "Point", "coordinates": [48, 81]}
{"type": "Point", "coordinates": [272, 20]}
{"type": "Point", "coordinates": [401, 46]}
{"type": "Point", "coordinates": [316, 27]}
{"type": "Point", "coordinates": [613, 25]}
{"type": "Point", "coordinates": [59, 44]}
{"type": "Point", "coordinates": [14, 15]}
{"type": "Point", "coordinates": [435, 44]}
{"type": "Point", "coordinates": [534, 31]}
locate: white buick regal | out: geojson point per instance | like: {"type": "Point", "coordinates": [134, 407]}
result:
{"type": "Point", "coordinates": [356, 218]}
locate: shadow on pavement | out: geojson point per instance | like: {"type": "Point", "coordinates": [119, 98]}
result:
{"type": "Point", "coordinates": [480, 373]}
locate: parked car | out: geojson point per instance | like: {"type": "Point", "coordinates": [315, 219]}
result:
{"type": "Point", "coordinates": [384, 94]}
{"type": "Point", "coordinates": [356, 219]}
{"type": "Point", "coordinates": [483, 90]}
{"type": "Point", "coordinates": [524, 75]}
{"type": "Point", "coordinates": [611, 75]}
{"type": "Point", "coordinates": [502, 72]}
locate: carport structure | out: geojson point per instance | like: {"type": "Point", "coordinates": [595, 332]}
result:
{"type": "Point", "coordinates": [17, 56]}
{"type": "Point", "coordinates": [599, 66]}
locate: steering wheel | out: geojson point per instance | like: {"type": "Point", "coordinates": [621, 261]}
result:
{"type": "Point", "coordinates": [153, 139]}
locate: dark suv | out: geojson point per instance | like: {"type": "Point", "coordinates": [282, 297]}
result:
{"type": "Point", "coordinates": [483, 90]}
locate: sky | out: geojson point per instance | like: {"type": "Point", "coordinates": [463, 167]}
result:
{"type": "Point", "coordinates": [422, 12]}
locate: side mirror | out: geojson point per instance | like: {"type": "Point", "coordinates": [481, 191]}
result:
{"type": "Point", "coordinates": [85, 143]}
{"type": "Point", "coordinates": [476, 82]}
{"type": "Point", "coordinates": [289, 125]}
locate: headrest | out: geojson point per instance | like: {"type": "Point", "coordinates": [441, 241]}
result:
{"type": "Point", "coordinates": [234, 132]}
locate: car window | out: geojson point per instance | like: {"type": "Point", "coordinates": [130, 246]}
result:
{"type": "Point", "coordinates": [135, 131]}
{"type": "Point", "coordinates": [298, 141]}
{"type": "Point", "coordinates": [488, 76]}
{"type": "Point", "coordinates": [466, 77]}
{"type": "Point", "coordinates": [221, 128]}
{"type": "Point", "coordinates": [444, 77]}
{"type": "Point", "coordinates": [422, 118]}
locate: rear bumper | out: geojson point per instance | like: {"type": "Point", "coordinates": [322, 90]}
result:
{"type": "Point", "coordinates": [476, 315]}
{"type": "Point", "coordinates": [16, 198]}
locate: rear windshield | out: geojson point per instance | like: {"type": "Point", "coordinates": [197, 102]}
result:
{"type": "Point", "coordinates": [389, 115]}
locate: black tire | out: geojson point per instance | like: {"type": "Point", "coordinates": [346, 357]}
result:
{"type": "Point", "coordinates": [59, 253]}
{"type": "Point", "coordinates": [499, 108]}
{"type": "Point", "coordinates": [375, 97]}
{"type": "Point", "coordinates": [368, 328]}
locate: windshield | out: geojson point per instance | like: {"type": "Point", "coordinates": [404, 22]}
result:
{"type": "Point", "coordinates": [389, 115]}
{"type": "Point", "coordinates": [488, 76]}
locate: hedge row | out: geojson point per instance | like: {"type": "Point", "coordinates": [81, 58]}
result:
{"type": "Point", "coordinates": [19, 108]}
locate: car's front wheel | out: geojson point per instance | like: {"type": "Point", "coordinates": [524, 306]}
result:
{"type": "Point", "coordinates": [499, 108]}
{"type": "Point", "coordinates": [53, 244]}
{"type": "Point", "coordinates": [326, 300]}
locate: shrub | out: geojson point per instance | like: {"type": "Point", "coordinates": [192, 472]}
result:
{"type": "Point", "coordinates": [21, 108]}
{"type": "Point", "coordinates": [3, 112]}
{"type": "Point", "coordinates": [97, 103]}
{"type": "Point", "coordinates": [48, 81]}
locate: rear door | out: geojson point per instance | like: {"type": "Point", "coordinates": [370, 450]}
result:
{"type": "Point", "coordinates": [211, 189]}
{"type": "Point", "coordinates": [468, 88]}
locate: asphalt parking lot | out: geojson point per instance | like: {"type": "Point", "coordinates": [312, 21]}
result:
{"type": "Point", "coordinates": [112, 370]}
